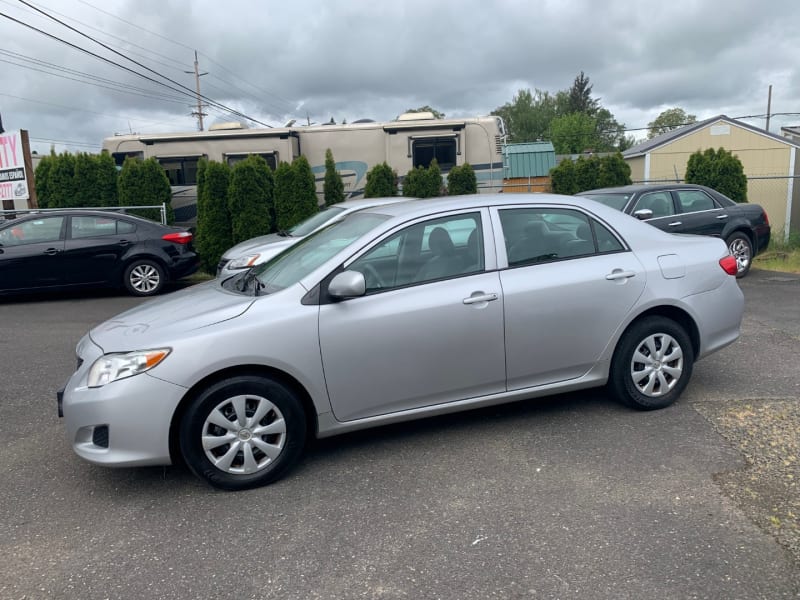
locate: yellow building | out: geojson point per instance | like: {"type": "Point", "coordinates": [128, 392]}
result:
{"type": "Point", "coordinates": [769, 163]}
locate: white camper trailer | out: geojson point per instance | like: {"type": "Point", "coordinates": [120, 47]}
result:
{"type": "Point", "coordinates": [413, 140]}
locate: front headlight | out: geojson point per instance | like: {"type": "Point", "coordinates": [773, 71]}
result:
{"type": "Point", "coordinates": [243, 262]}
{"type": "Point", "coordinates": [111, 367]}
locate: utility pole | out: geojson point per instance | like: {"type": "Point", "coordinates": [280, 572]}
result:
{"type": "Point", "coordinates": [199, 112]}
{"type": "Point", "coordinates": [769, 106]}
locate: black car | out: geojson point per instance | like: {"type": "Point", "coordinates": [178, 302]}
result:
{"type": "Point", "coordinates": [690, 208]}
{"type": "Point", "coordinates": [74, 248]}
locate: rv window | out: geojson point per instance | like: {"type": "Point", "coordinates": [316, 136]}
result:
{"type": "Point", "coordinates": [180, 171]}
{"type": "Point", "coordinates": [442, 149]}
{"type": "Point", "coordinates": [270, 157]}
{"type": "Point", "coordinates": [119, 157]}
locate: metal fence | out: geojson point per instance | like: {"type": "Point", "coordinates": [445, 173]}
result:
{"type": "Point", "coordinates": [13, 214]}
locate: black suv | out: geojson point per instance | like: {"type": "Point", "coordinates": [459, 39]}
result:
{"type": "Point", "coordinates": [690, 208]}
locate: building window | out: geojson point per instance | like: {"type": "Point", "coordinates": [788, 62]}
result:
{"type": "Point", "coordinates": [444, 150]}
{"type": "Point", "coordinates": [180, 171]}
{"type": "Point", "coordinates": [270, 157]}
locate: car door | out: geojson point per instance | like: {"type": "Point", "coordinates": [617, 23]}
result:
{"type": "Point", "coordinates": [95, 246]}
{"type": "Point", "coordinates": [662, 205]}
{"type": "Point", "coordinates": [31, 253]}
{"type": "Point", "coordinates": [568, 283]}
{"type": "Point", "coordinates": [698, 213]}
{"type": "Point", "coordinates": [429, 329]}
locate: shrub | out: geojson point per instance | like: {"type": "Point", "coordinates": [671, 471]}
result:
{"type": "Point", "coordinates": [719, 170]}
{"type": "Point", "coordinates": [250, 198]}
{"type": "Point", "coordinates": [144, 183]}
{"type": "Point", "coordinates": [462, 180]}
{"type": "Point", "coordinates": [214, 235]}
{"type": "Point", "coordinates": [333, 187]}
{"type": "Point", "coordinates": [381, 182]}
{"type": "Point", "coordinates": [422, 182]}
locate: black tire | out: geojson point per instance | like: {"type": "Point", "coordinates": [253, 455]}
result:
{"type": "Point", "coordinates": [629, 378]}
{"type": "Point", "coordinates": [250, 459]}
{"type": "Point", "coordinates": [144, 277]}
{"type": "Point", "coordinates": [740, 246]}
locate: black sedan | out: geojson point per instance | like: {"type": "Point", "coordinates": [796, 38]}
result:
{"type": "Point", "coordinates": [74, 248]}
{"type": "Point", "coordinates": [690, 208]}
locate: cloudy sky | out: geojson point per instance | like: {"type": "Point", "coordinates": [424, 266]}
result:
{"type": "Point", "coordinates": [274, 61]}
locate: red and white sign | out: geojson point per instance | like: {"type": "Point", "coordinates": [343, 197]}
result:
{"type": "Point", "coordinates": [13, 178]}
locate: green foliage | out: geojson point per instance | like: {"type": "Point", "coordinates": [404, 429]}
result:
{"type": "Point", "coordinates": [61, 181]}
{"type": "Point", "coordinates": [41, 177]}
{"type": "Point", "coordinates": [76, 181]}
{"type": "Point", "coordinates": [295, 193]}
{"type": "Point", "coordinates": [670, 119]}
{"type": "Point", "coordinates": [306, 202]}
{"type": "Point", "coordinates": [719, 170]}
{"type": "Point", "coordinates": [436, 114]}
{"type": "Point", "coordinates": [462, 180]}
{"type": "Point", "coordinates": [333, 187]}
{"type": "Point", "coordinates": [86, 191]}
{"type": "Point", "coordinates": [579, 97]}
{"type": "Point", "coordinates": [381, 182]}
{"type": "Point", "coordinates": [144, 183]}
{"type": "Point", "coordinates": [250, 198]}
{"type": "Point", "coordinates": [588, 173]}
{"type": "Point", "coordinates": [284, 194]}
{"type": "Point", "coordinates": [106, 182]}
{"type": "Point", "coordinates": [214, 233]}
{"type": "Point", "coordinates": [423, 183]}
{"type": "Point", "coordinates": [574, 133]}
{"type": "Point", "coordinates": [563, 178]}
{"type": "Point", "coordinates": [528, 116]}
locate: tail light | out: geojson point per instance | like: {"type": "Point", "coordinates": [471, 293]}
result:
{"type": "Point", "coordinates": [729, 265]}
{"type": "Point", "coordinates": [766, 217]}
{"type": "Point", "coordinates": [179, 237]}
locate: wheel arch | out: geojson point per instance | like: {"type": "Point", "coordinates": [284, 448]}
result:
{"type": "Point", "coordinates": [674, 313]}
{"type": "Point", "coordinates": [132, 258]}
{"type": "Point", "coordinates": [743, 228]}
{"type": "Point", "coordinates": [258, 370]}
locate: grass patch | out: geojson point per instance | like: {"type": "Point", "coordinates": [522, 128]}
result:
{"type": "Point", "coordinates": [781, 256]}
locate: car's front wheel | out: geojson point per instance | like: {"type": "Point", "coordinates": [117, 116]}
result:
{"type": "Point", "coordinates": [243, 432]}
{"type": "Point", "coordinates": [741, 248]}
{"type": "Point", "coordinates": [144, 277]}
{"type": "Point", "coordinates": [652, 364]}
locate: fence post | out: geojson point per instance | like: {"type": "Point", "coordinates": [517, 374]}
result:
{"type": "Point", "coordinates": [163, 213]}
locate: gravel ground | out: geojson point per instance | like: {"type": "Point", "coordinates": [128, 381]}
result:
{"type": "Point", "coordinates": [767, 432]}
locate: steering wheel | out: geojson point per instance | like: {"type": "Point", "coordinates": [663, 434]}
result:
{"type": "Point", "coordinates": [372, 278]}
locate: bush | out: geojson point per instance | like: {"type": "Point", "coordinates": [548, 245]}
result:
{"type": "Point", "coordinates": [214, 235]}
{"type": "Point", "coordinates": [381, 182]}
{"type": "Point", "coordinates": [306, 202]}
{"type": "Point", "coordinates": [250, 198]}
{"type": "Point", "coordinates": [462, 180]}
{"type": "Point", "coordinates": [589, 173]}
{"type": "Point", "coordinates": [61, 181]}
{"type": "Point", "coordinates": [563, 179]}
{"type": "Point", "coordinates": [41, 178]}
{"type": "Point", "coordinates": [144, 183]}
{"type": "Point", "coordinates": [106, 182]}
{"type": "Point", "coordinates": [719, 170]}
{"type": "Point", "coordinates": [334, 186]}
{"type": "Point", "coordinates": [423, 183]}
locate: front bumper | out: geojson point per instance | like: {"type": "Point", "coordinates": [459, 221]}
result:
{"type": "Point", "coordinates": [123, 424]}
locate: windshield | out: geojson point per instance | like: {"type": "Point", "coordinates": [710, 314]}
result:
{"type": "Point", "coordinates": [291, 265]}
{"type": "Point", "coordinates": [617, 201]}
{"type": "Point", "coordinates": [303, 228]}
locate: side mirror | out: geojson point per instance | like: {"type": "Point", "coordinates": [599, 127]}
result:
{"type": "Point", "coordinates": [643, 214]}
{"type": "Point", "coordinates": [347, 284]}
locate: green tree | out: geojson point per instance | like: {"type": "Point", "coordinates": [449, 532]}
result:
{"type": "Point", "coordinates": [670, 119]}
{"type": "Point", "coordinates": [61, 181]}
{"type": "Point", "coordinates": [436, 114]}
{"type": "Point", "coordinates": [250, 198]}
{"type": "Point", "coordinates": [333, 187]}
{"type": "Point", "coordinates": [284, 195]}
{"type": "Point", "coordinates": [144, 183]}
{"type": "Point", "coordinates": [214, 232]}
{"type": "Point", "coordinates": [306, 202]}
{"type": "Point", "coordinates": [381, 182]}
{"type": "Point", "coordinates": [573, 133]}
{"type": "Point", "coordinates": [86, 190]}
{"type": "Point", "coordinates": [423, 182]}
{"type": "Point", "coordinates": [719, 170]}
{"type": "Point", "coordinates": [563, 178]}
{"type": "Point", "coordinates": [614, 171]}
{"type": "Point", "coordinates": [587, 172]}
{"type": "Point", "coordinates": [106, 173]}
{"type": "Point", "coordinates": [528, 116]}
{"type": "Point", "coordinates": [41, 177]}
{"type": "Point", "coordinates": [579, 97]}
{"type": "Point", "coordinates": [462, 180]}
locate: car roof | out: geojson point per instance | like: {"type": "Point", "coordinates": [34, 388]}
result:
{"type": "Point", "coordinates": [79, 212]}
{"type": "Point", "coordinates": [644, 187]}
{"type": "Point", "coordinates": [368, 202]}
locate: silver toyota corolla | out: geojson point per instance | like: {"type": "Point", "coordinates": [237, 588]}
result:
{"type": "Point", "coordinates": [398, 312]}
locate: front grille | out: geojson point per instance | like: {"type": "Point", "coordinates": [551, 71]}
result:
{"type": "Point", "coordinates": [100, 436]}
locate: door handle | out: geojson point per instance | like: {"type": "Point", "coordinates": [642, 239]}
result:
{"type": "Point", "coordinates": [618, 274]}
{"type": "Point", "coordinates": [52, 251]}
{"type": "Point", "coordinates": [722, 216]}
{"type": "Point", "coordinates": [675, 224]}
{"type": "Point", "coordinates": [479, 297]}
{"type": "Point", "coordinates": [124, 242]}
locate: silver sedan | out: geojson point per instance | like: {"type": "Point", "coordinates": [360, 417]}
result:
{"type": "Point", "coordinates": [398, 312]}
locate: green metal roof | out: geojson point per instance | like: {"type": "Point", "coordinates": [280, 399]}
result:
{"type": "Point", "coordinates": [531, 159]}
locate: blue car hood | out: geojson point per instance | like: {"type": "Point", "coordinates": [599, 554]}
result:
{"type": "Point", "coordinates": [160, 319]}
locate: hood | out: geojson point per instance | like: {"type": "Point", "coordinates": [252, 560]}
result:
{"type": "Point", "coordinates": [161, 318]}
{"type": "Point", "coordinates": [257, 242]}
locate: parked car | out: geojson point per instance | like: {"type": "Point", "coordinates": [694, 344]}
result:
{"type": "Point", "coordinates": [257, 250]}
{"type": "Point", "coordinates": [79, 248]}
{"type": "Point", "coordinates": [398, 312]}
{"type": "Point", "coordinates": [691, 208]}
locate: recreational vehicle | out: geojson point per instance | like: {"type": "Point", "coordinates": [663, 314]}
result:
{"type": "Point", "coordinates": [413, 140]}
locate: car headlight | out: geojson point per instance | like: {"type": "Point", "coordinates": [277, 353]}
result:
{"type": "Point", "coordinates": [243, 262]}
{"type": "Point", "coordinates": [111, 367]}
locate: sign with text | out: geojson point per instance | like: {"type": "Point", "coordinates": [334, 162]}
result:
{"type": "Point", "coordinates": [13, 176]}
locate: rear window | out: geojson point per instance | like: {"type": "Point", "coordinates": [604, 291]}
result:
{"type": "Point", "coordinates": [616, 201]}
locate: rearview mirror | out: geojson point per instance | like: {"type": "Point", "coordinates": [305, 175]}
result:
{"type": "Point", "coordinates": [347, 284]}
{"type": "Point", "coordinates": [643, 214]}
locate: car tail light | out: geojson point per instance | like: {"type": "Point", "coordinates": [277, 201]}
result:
{"type": "Point", "coordinates": [179, 237]}
{"type": "Point", "coordinates": [729, 265]}
{"type": "Point", "coordinates": [766, 217]}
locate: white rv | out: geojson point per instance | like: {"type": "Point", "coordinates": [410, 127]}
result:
{"type": "Point", "coordinates": [413, 140]}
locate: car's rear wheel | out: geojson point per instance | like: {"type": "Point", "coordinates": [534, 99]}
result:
{"type": "Point", "coordinates": [144, 277]}
{"type": "Point", "coordinates": [652, 364]}
{"type": "Point", "coordinates": [243, 432]}
{"type": "Point", "coordinates": [741, 248]}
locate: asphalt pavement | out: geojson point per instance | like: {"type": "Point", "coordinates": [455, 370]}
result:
{"type": "Point", "coordinates": [570, 496]}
